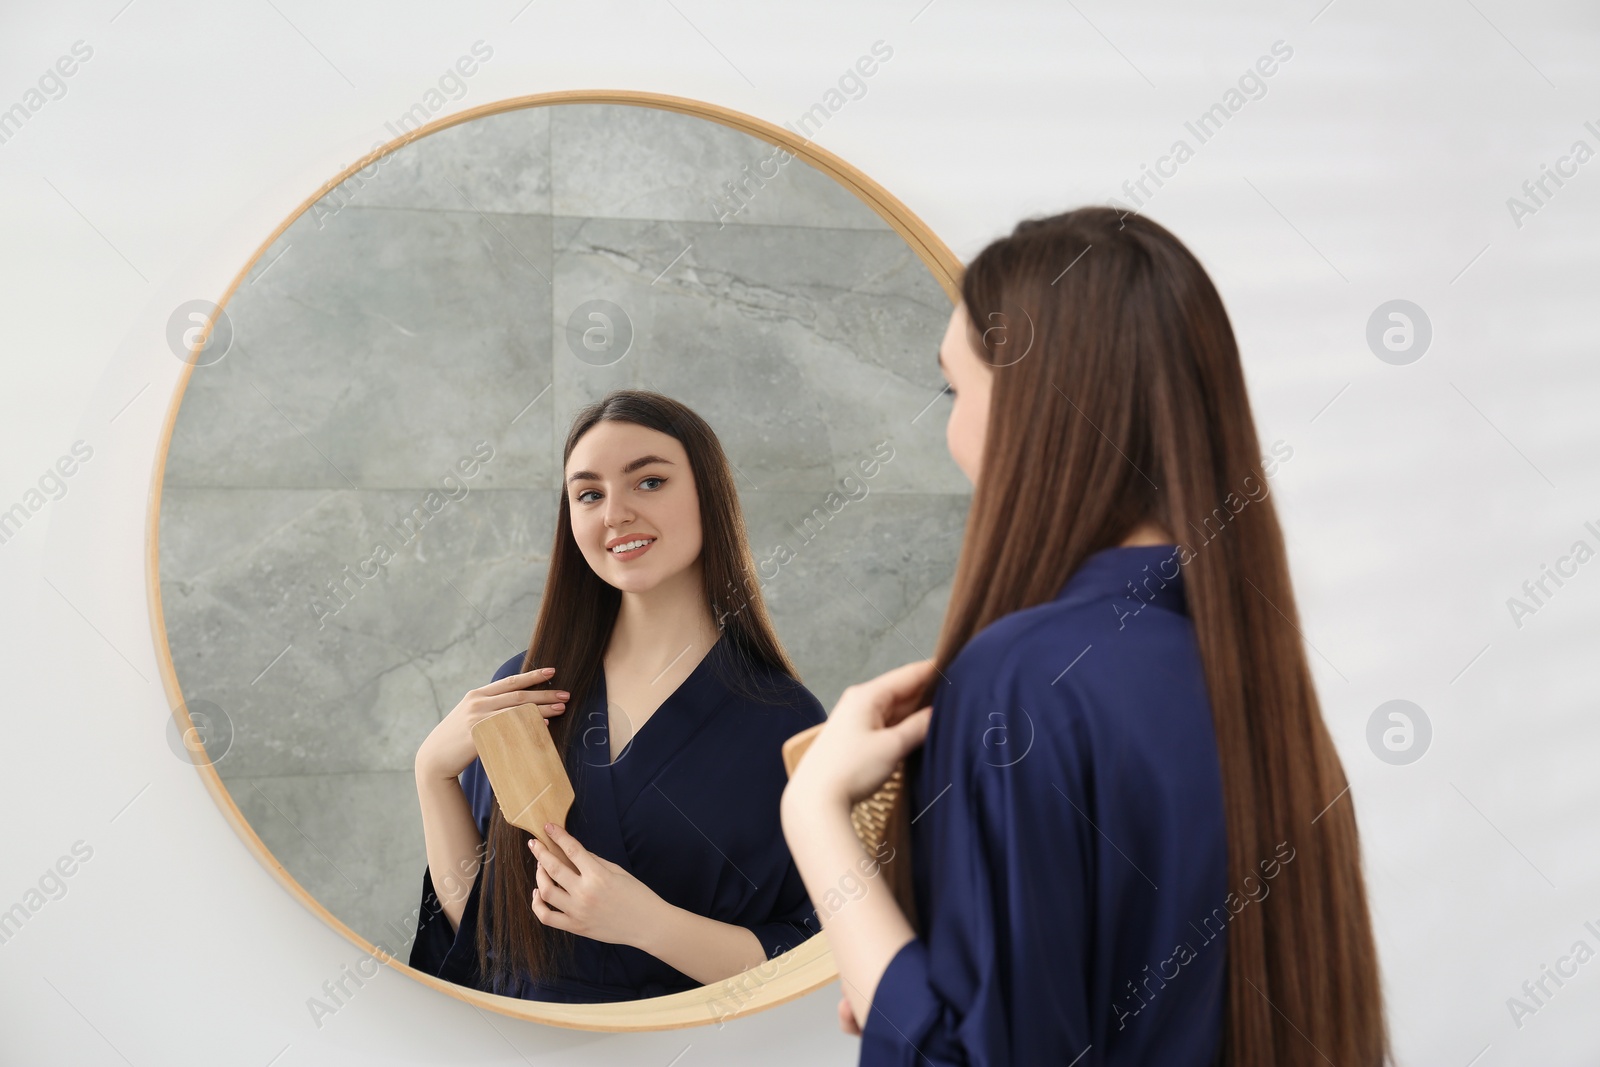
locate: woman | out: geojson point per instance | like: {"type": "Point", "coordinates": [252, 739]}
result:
{"type": "Point", "coordinates": [674, 871]}
{"type": "Point", "coordinates": [1130, 838]}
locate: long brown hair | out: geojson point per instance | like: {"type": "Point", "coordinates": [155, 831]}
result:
{"type": "Point", "coordinates": [1118, 397]}
{"type": "Point", "coordinates": [576, 615]}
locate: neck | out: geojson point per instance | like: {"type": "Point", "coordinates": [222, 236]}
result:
{"type": "Point", "coordinates": [1146, 533]}
{"type": "Point", "coordinates": [656, 627]}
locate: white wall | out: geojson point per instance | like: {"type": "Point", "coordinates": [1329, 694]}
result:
{"type": "Point", "coordinates": [1377, 166]}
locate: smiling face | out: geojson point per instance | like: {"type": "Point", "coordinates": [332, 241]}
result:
{"type": "Point", "coordinates": [625, 483]}
{"type": "Point", "coordinates": [969, 379]}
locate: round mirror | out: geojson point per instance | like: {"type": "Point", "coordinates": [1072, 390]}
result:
{"type": "Point", "coordinates": [359, 482]}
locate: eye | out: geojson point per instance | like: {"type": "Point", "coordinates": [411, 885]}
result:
{"type": "Point", "coordinates": [653, 478]}
{"type": "Point", "coordinates": [586, 492]}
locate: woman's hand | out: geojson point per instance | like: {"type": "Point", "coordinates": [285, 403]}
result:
{"type": "Point", "coordinates": [598, 899]}
{"type": "Point", "coordinates": [870, 729]}
{"type": "Point", "coordinates": [449, 748]}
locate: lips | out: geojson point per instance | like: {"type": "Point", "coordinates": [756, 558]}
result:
{"type": "Point", "coordinates": [632, 553]}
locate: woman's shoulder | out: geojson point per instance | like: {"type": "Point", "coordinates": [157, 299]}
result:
{"type": "Point", "coordinates": [764, 697]}
{"type": "Point", "coordinates": [1057, 699]}
{"type": "Point", "coordinates": [1080, 655]}
{"type": "Point", "coordinates": [765, 688]}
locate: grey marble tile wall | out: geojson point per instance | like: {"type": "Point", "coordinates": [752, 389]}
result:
{"type": "Point", "coordinates": [420, 314]}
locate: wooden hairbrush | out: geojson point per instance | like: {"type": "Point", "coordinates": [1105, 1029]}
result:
{"type": "Point", "coordinates": [525, 770]}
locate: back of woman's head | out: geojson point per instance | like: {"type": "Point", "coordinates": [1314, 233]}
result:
{"type": "Point", "coordinates": [1117, 397]}
{"type": "Point", "coordinates": [1117, 394]}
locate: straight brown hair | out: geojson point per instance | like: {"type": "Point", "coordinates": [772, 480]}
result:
{"type": "Point", "coordinates": [1118, 397]}
{"type": "Point", "coordinates": [576, 616]}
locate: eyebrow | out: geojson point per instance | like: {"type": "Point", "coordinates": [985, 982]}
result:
{"type": "Point", "coordinates": [642, 461]}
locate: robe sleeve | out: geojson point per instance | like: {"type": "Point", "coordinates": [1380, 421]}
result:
{"type": "Point", "coordinates": [436, 949]}
{"type": "Point", "coordinates": [794, 918]}
{"type": "Point", "coordinates": [440, 951]}
{"type": "Point", "coordinates": [793, 923]}
{"type": "Point", "coordinates": [998, 972]}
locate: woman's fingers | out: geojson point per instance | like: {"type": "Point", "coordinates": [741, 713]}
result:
{"type": "Point", "coordinates": [555, 861]}
{"type": "Point", "coordinates": [909, 674]}
{"type": "Point", "coordinates": [548, 701]}
{"type": "Point", "coordinates": [546, 914]}
{"type": "Point", "coordinates": [895, 693]}
{"type": "Point", "coordinates": [550, 889]}
{"type": "Point", "coordinates": [518, 681]}
{"type": "Point", "coordinates": [910, 731]}
{"type": "Point", "coordinates": [576, 854]}
{"type": "Point", "coordinates": [891, 744]}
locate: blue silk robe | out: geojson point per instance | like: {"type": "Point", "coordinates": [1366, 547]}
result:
{"type": "Point", "coordinates": [1069, 854]}
{"type": "Point", "coordinates": [690, 808]}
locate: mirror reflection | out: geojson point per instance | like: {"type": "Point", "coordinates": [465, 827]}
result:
{"type": "Point", "coordinates": [410, 468]}
{"type": "Point", "coordinates": [671, 870]}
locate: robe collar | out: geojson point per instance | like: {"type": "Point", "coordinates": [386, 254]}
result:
{"type": "Point", "coordinates": [606, 790]}
{"type": "Point", "coordinates": [1133, 577]}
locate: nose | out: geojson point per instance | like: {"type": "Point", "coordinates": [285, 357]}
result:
{"type": "Point", "coordinates": [617, 511]}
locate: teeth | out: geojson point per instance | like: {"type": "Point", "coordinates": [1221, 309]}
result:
{"type": "Point", "coordinates": [631, 545]}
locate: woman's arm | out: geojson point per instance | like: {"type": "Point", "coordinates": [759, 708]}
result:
{"type": "Point", "coordinates": [704, 949]}
{"type": "Point", "coordinates": [453, 844]}
{"type": "Point", "coordinates": [871, 729]}
{"type": "Point", "coordinates": [864, 931]}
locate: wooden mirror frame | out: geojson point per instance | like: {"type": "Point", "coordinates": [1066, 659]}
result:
{"type": "Point", "coordinates": [801, 970]}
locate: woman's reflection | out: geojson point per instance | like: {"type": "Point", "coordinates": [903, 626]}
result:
{"type": "Point", "coordinates": [653, 633]}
